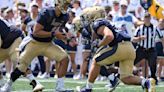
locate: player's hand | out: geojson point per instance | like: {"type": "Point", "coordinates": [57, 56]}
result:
{"type": "Point", "coordinates": [95, 43]}
{"type": "Point", "coordinates": [73, 42]}
{"type": "Point", "coordinates": [60, 35]}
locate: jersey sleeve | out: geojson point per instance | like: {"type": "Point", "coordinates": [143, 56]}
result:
{"type": "Point", "coordinates": [42, 17]}
{"type": "Point", "coordinates": [27, 20]}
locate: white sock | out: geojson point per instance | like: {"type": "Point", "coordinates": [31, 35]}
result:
{"type": "Point", "coordinates": [60, 83]}
{"type": "Point", "coordinates": [111, 76]}
{"type": "Point", "coordinates": [143, 82]}
{"type": "Point", "coordinates": [30, 77]}
{"type": "Point", "coordinates": [60, 79]}
{"type": "Point", "coordinates": [10, 82]}
{"type": "Point", "coordinates": [89, 85]}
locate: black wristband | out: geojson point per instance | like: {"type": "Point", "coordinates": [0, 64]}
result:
{"type": "Point", "coordinates": [52, 34]}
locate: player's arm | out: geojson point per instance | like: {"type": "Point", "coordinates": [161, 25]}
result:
{"type": "Point", "coordinates": [23, 27]}
{"type": "Point", "coordinates": [107, 35]}
{"type": "Point", "coordinates": [39, 32]}
{"type": "Point", "coordinates": [138, 23]}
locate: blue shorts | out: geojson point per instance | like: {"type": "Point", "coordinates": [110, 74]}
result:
{"type": "Point", "coordinates": [86, 45]}
{"type": "Point", "coordinates": [71, 49]}
{"type": "Point", "coordinates": [159, 48]}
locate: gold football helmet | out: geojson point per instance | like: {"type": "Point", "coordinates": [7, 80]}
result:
{"type": "Point", "coordinates": [63, 5]}
{"type": "Point", "coordinates": [87, 17]}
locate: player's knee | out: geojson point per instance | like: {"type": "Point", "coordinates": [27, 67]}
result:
{"type": "Point", "coordinates": [28, 71]}
{"type": "Point", "coordinates": [66, 59]}
{"type": "Point", "coordinates": [124, 80]}
{"type": "Point", "coordinates": [23, 66]}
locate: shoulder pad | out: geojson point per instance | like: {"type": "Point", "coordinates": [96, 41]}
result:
{"type": "Point", "coordinates": [100, 22]}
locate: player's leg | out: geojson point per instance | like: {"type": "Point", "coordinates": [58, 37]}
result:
{"type": "Point", "coordinates": [3, 57]}
{"type": "Point", "coordinates": [48, 63]}
{"type": "Point", "coordinates": [160, 65]}
{"type": "Point", "coordinates": [111, 72]}
{"type": "Point", "coordinates": [126, 77]}
{"type": "Point", "coordinates": [9, 67]}
{"type": "Point", "coordinates": [14, 55]}
{"type": "Point", "coordinates": [25, 59]}
{"type": "Point", "coordinates": [94, 72]}
{"type": "Point", "coordinates": [56, 69]}
{"type": "Point", "coordinates": [35, 84]}
{"type": "Point", "coordinates": [46, 74]}
{"type": "Point", "coordinates": [84, 65]}
{"type": "Point", "coordinates": [72, 51]}
{"type": "Point", "coordinates": [74, 67]}
{"type": "Point", "coordinates": [126, 70]}
{"type": "Point", "coordinates": [2, 82]}
{"type": "Point", "coordinates": [42, 66]}
{"type": "Point", "coordinates": [104, 56]}
{"type": "Point", "coordinates": [58, 54]}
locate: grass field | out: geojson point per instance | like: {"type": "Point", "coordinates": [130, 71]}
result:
{"type": "Point", "coordinates": [22, 85]}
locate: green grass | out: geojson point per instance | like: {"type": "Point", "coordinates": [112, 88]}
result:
{"type": "Point", "coordinates": [22, 85]}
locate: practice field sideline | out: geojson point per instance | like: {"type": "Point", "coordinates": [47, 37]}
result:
{"type": "Point", "coordinates": [22, 85]}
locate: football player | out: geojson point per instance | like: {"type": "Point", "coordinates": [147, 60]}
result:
{"type": "Point", "coordinates": [88, 15]}
{"type": "Point", "coordinates": [112, 48]}
{"type": "Point", "coordinates": [49, 22]}
{"type": "Point", "coordinates": [82, 24]}
{"type": "Point", "coordinates": [11, 38]}
{"type": "Point", "coordinates": [110, 51]}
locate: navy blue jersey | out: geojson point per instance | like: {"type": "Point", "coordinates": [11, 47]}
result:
{"type": "Point", "coordinates": [118, 36]}
{"type": "Point", "coordinates": [27, 20]}
{"type": "Point", "coordinates": [86, 33]}
{"type": "Point", "coordinates": [49, 20]}
{"type": "Point", "coordinates": [8, 34]}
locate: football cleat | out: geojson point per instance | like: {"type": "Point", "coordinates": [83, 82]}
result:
{"type": "Point", "coordinates": [113, 82]}
{"type": "Point", "coordinates": [45, 75]}
{"type": "Point", "coordinates": [37, 87]}
{"type": "Point", "coordinates": [149, 85]}
{"type": "Point", "coordinates": [2, 82]}
{"type": "Point", "coordinates": [83, 89]}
